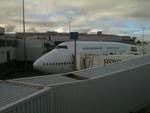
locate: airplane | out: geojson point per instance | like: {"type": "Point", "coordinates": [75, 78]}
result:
{"type": "Point", "coordinates": [60, 59]}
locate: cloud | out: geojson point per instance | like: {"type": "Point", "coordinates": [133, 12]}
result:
{"type": "Point", "coordinates": [31, 29]}
{"type": "Point", "coordinates": [112, 16]}
{"type": "Point", "coordinates": [10, 28]}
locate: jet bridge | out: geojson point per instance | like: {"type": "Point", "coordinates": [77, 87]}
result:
{"type": "Point", "coordinates": [85, 61]}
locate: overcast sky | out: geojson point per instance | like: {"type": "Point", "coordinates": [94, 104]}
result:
{"type": "Point", "coordinates": [123, 17]}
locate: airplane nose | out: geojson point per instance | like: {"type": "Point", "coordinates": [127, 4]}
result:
{"type": "Point", "coordinates": [37, 65]}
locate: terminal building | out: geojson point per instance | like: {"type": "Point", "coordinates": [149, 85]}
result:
{"type": "Point", "coordinates": [57, 38]}
{"type": "Point", "coordinates": [38, 43]}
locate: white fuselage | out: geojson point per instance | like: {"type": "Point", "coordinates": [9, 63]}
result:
{"type": "Point", "coordinates": [60, 59]}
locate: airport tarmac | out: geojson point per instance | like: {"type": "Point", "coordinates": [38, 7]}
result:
{"type": "Point", "coordinates": [17, 70]}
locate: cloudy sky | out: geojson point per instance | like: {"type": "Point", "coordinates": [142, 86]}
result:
{"type": "Point", "coordinates": [123, 17]}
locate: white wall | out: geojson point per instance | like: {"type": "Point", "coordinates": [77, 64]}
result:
{"type": "Point", "coordinates": [34, 49]}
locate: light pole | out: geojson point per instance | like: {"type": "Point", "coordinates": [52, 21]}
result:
{"type": "Point", "coordinates": [24, 39]}
{"type": "Point", "coordinates": [75, 37]}
{"type": "Point", "coordinates": [70, 19]}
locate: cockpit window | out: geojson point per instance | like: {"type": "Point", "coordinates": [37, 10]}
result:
{"type": "Point", "coordinates": [62, 47]}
